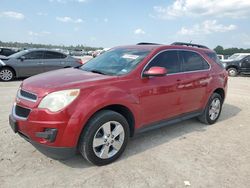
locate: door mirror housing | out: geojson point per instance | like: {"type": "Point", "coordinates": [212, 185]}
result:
{"type": "Point", "coordinates": [155, 71]}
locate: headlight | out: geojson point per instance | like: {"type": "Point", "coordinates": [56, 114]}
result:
{"type": "Point", "coordinates": [224, 65]}
{"type": "Point", "coordinates": [58, 100]}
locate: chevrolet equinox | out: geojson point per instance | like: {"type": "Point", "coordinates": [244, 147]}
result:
{"type": "Point", "coordinates": [94, 108]}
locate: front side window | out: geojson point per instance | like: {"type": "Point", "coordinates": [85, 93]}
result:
{"type": "Point", "coordinates": [168, 60]}
{"type": "Point", "coordinates": [54, 55]}
{"type": "Point", "coordinates": [34, 55]}
{"type": "Point", "coordinates": [193, 61]}
{"type": "Point", "coordinates": [116, 62]}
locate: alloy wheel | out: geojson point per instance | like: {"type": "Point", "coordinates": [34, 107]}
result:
{"type": "Point", "coordinates": [6, 74]}
{"type": "Point", "coordinates": [214, 109]}
{"type": "Point", "coordinates": [108, 139]}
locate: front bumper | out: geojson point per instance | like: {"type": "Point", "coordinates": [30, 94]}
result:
{"type": "Point", "coordinates": [50, 151]}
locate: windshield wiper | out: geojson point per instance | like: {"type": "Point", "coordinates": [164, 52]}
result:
{"type": "Point", "coordinates": [98, 72]}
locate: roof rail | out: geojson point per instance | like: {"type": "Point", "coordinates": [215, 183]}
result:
{"type": "Point", "coordinates": [189, 44]}
{"type": "Point", "coordinates": [146, 43]}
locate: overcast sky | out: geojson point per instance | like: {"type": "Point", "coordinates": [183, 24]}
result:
{"type": "Point", "coordinates": [108, 23]}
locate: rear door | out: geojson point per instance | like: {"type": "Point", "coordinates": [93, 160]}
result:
{"type": "Point", "coordinates": [54, 60]}
{"type": "Point", "coordinates": [31, 64]}
{"type": "Point", "coordinates": [196, 71]}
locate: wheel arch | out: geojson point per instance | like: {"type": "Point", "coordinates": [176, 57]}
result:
{"type": "Point", "coordinates": [221, 92]}
{"type": "Point", "coordinates": [233, 66]}
{"type": "Point", "coordinates": [121, 109]}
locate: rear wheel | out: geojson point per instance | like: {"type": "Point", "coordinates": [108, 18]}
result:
{"type": "Point", "coordinates": [213, 109]}
{"type": "Point", "coordinates": [104, 138]}
{"type": "Point", "coordinates": [6, 74]}
{"type": "Point", "coordinates": [232, 72]}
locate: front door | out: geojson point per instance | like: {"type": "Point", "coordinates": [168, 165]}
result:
{"type": "Point", "coordinates": [31, 64]}
{"type": "Point", "coordinates": [160, 98]}
{"type": "Point", "coordinates": [245, 64]}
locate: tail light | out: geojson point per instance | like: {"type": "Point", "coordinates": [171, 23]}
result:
{"type": "Point", "coordinates": [80, 61]}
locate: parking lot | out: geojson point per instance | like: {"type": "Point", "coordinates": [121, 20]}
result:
{"type": "Point", "coordinates": [204, 156]}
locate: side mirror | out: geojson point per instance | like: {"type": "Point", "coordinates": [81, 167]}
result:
{"type": "Point", "coordinates": [22, 58]}
{"type": "Point", "coordinates": [155, 71]}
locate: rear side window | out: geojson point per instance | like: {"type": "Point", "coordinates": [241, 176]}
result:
{"type": "Point", "coordinates": [213, 56]}
{"type": "Point", "coordinates": [193, 61]}
{"type": "Point", "coordinates": [168, 60]}
{"type": "Point", "coordinates": [54, 55]}
{"type": "Point", "coordinates": [34, 55]}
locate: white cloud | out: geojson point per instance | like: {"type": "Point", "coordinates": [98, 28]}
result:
{"type": "Point", "coordinates": [39, 34]}
{"type": "Point", "coordinates": [106, 20]}
{"type": "Point", "coordinates": [207, 27]}
{"type": "Point", "coordinates": [12, 14]}
{"type": "Point", "coordinates": [139, 31]}
{"type": "Point", "coordinates": [216, 8]}
{"type": "Point", "coordinates": [67, 19]}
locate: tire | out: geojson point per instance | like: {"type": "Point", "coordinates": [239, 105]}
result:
{"type": "Point", "coordinates": [207, 117]}
{"type": "Point", "coordinates": [232, 72]}
{"type": "Point", "coordinates": [100, 146]}
{"type": "Point", "coordinates": [6, 74]}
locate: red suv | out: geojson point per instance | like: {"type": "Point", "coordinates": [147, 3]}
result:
{"type": "Point", "coordinates": [95, 108]}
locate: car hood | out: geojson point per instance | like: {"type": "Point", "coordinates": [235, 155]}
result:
{"type": "Point", "coordinates": [230, 62]}
{"type": "Point", "coordinates": [63, 79]}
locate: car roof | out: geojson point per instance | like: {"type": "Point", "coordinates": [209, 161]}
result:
{"type": "Point", "coordinates": [152, 46]}
{"type": "Point", "coordinates": [43, 49]}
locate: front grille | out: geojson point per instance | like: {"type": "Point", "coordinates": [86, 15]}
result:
{"type": "Point", "coordinates": [21, 111]}
{"type": "Point", "coordinates": [27, 95]}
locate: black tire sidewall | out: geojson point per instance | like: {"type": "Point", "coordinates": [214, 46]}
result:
{"type": "Point", "coordinates": [214, 96]}
{"type": "Point", "coordinates": [236, 72]}
{"type": "Point", "coordinates": [86, 143]}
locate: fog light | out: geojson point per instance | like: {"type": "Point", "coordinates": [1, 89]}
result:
{"type": "Point", "coordinates": [48, 134]}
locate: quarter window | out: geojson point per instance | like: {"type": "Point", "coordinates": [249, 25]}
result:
{"type": "Point", "coordinates": [168, 60]}
{"type": "Point", "coordinates": [193, 61]}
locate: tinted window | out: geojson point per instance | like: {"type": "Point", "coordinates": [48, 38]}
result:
{"type": "Point", "coordinates": [168, 59]}
{"type": "Point", "coordinates": [34, 55]}
{"type": "Point", "coordinates": [215, 58]}
{"type": "Point", "coordinates": [248, 58]}
{"type": "Point", "coordinates": [54, 55]}
{"type": "Point", "coordinates": [193, 61]}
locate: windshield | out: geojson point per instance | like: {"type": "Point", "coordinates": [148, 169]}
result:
{"type": "Point", "coordinates": [116, 61]}
{"type": "Point", "coordinates": [237, 56]}
{"type": "Point", "coordinates": [18, 54]}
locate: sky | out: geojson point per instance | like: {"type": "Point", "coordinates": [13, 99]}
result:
{"type": "Point", "coordinates": [109, 23]}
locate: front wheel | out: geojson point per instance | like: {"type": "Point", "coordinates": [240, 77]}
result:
{"type": "Point", "coordinates": [104, 138]}
{"type": "Point", "coordinates": [6, 74]}
{"type": "Point", "coordinates": [213, 109]}
{"type": "Point", "coordinates": [232, 72]}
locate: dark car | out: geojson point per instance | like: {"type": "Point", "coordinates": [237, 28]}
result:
{"type": "Point", "coordinates": [34, 61]}
{"type": "Point", "coordinates": [237, 65]}
{"type": "Point", "coordinates": [95, 108]}
{"type": "Point", "coordinates": [7, 51]}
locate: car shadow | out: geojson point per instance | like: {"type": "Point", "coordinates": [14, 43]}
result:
{"type": "Point", "coordinates": [148, 140]}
